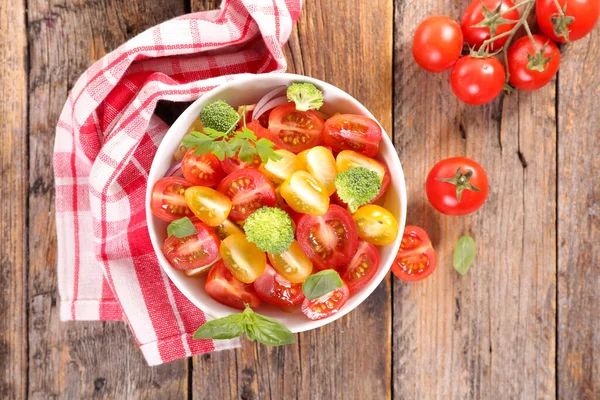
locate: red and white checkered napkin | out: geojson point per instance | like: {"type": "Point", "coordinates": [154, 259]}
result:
{"type": "Point", "coordinates": [105, 142]}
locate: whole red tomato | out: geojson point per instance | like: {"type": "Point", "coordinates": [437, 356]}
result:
{"type": "Point", "coordinates": [474, 15]}
{"type": "Point", "coordinates": [529, 70]}
{"type": "Point", "coordinates": [584, 12]}
{"type": "Point", "coordinates": [437, 43]}
{"type": "Point", "coordinates": [477, 80]}
{"type": "Point", "coordinates": [457, 186]}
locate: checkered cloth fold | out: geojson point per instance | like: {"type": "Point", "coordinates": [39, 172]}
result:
{"type": "Point", "coordinates": [106, 139]}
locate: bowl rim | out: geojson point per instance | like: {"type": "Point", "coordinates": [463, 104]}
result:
{"type": "Point", "coordinates": [177, 130]}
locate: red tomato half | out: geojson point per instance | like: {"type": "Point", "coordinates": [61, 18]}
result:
{"type": "Point", "coordinates": [230, 165]}
{"type": "Point", "coordinates": [294, 130]}
{"type": "Point", "coordinates": [451, 176]}
{"type": "Point", "coordinates": [473, 15]}
{"type": "Point", "coordinates": [222, 286]}
{"type": "Point", "coordinates": [352, 132]}
{"type": "Point", "coordinates": [167, 201]}
{"type": "Point", "coordinates": [437, 43]}
{"type": "Point", "coordinates": [327, 305]}
{"type": "Point", "coordinates": [204, 170]}
{"type": "Point", "coordinates": [194, 251]}
{"type": "Point", "coordinates": [329, 241]}
{"type": "Point", "coordinates": [275, 289]}
{"type": "Point", "coordinates": [520, 76]}
{"type": "Point", "coordinates": [585, 12]}
{"type": "Point", "coordinates": [260, 131]}
{"type": "Point", "coordinates": [362, 268]}
{"type": "Point", "coordinates": [416, 258]}
{"type": "Point", "coordinates": [248, 190]}
{"type": "Point", "coordinates": [476, 80]}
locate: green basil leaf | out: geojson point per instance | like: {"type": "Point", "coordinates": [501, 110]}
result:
{"type": "Point", "coordinates": [181, 228]}
{"type": "Point", "coordinates": [228, 327]}
{"type": "Point", "coordinates": [321, 283]}
{"type": "Point", "coordinates": [464, 254]}
{"type": "Point", "coordinates": [268, 331]}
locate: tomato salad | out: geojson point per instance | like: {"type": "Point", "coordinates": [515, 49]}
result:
{"type": "Point", "coordinates": [275, 200]}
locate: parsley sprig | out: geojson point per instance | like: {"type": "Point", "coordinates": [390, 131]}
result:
{"type": "Point", "coordinates": [244, 143]}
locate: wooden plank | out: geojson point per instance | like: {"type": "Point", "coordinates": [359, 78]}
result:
{"type": "Point", "coordinates": [351, 357]}
{"type": "Point", "coordinates": [78, 360]}
{"type": "Point", "coordinates": [579, 220]}
{"type": "Point", "coordinates": [491, 332]}
{"type": "Point", "coordinates": [13, 192]}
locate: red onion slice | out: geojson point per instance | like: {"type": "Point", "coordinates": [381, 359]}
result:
{"type": "Point", "coordinates": [175, 169]}
{"type": "Point", "coordinates": [277, 101]}
{"type": "Point", "coordinates": [258, 110]}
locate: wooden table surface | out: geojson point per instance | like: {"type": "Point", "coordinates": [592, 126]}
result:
{"type": "Point", "coordinates": [524, 322]}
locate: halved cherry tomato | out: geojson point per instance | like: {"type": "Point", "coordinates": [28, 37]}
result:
{"type": "Point", "coordinates": [352, 132]}
{"type": "Point", "coordinates": [305, 194]}
{"type": "Point", "coordinates": [330, 240]}
{"type": "Point", "coordinates": [248, 190]}
{"type": "Point", "coordinates": [350, 159]}
{"type": "Point", "coordinates": [194, 251]}
{"type": "Point", "coordinates": [232, 164]}
{"type": "Point", "coordinates": [326, 306]}
{"type": "Point", "coordinates": [204, 170]}
{"type": "Point", "coordinates": [199, 271]}
{"type": "Point", "coordinates": [416, 258]}
{"type": "Point", "coordinates": [222, 286]}
{"type": "Point", "coordinates": [362, 268]}
{"type": "Point", "coordinates": [259, 129]}
{"type": "Point", "coordinates": [242, 257]}
{"type": "Point", "coordinates": [292, 264]}
{"type": "Point", "coordinates": [376, 225]}
{"type": "Point", "coordinates": [320, 163]}
{"type": "Point", "coordinates": [275, 289]}
{"type": "Point", "coordinates": [295, 130]}
{"type": "Point", "coordinates": [167, 201]}
{"type": "Point", "coordinates": [227, 228]}
{"type": "Point", "coordinates": [208, 205]}
{"type": "Point", "coordinates": [279, 171]}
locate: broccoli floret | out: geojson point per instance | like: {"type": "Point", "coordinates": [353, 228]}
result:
{"type": "Point", "coordinates": [270, 229]}
{"type": "Point", "coordinates": [357, 186]}
{"type": "Point", "coordinates": [306, 96]}
{"type": "Point", "coordinates": [220, 116]}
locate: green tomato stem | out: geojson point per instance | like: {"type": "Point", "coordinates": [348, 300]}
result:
{"type": "Point", "coordinates": [535, 46]}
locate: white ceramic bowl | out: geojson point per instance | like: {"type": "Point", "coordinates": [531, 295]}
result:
{"type": "Point", "coordinates": [249, 91]}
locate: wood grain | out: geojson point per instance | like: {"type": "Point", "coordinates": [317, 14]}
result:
{"type": "Point", "coordinates": [579, 220]}
{"type": "Point", "coordinates": [490, 333]}
{"type": "Point", "coordinates": [13, 192]}
{"type": "Point", "coordinates": [351, 357]}
{"type": "Point", "coordinates": [78, 360]}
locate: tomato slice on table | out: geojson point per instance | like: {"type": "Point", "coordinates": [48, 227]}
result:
{"type": "Point", "coordinates": [222, 286]}
{"type": "Point", "coordinates": [194, 251]}
{"type": "Point", "coordinates": [352, 132]}
{"type": "Point", "coordinates": [416, 258]}
{"type": "Point", "coordinates": [294, 130]}
{"type": "Point", "coordinates": [168, 202]}
{"type": "Point", "coordinates": [362, 268]}
{"type": "Point", "coordinates": [330, 240]}
{"type": "Point", "coordinates": [327, 305]}
{"type": "Point", "coordinates": [204, 170]}
{"type": "Point", "coordinates": [248, 190]}
{"type": "Point", "coordinates": [275, 289]}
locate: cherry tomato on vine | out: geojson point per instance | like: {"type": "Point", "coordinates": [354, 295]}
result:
{"type": "Point", "coordinates": [222, 286]}
{"type": "Point", "coordinates": [474, 15]}
{"type": "Point", "coordinates": [581, 16]}
{"type": "Point", "coordinates": [477, 80]}
{"type": "Point", "coordinates": [437, 43]}
{"type": "Point", "coordinates": [416, 258]}
{"type": "Point", "coordinates": [457, 186]}
{"type": "Point", "coordinates": [528, 69]}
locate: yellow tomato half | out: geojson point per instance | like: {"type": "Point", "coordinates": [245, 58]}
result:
{"type": "Point", "coordinates": [210, 206]}
{"type": "Point", "coordinates": [279, 171]}
{"type": "Point", "coordinates": [242, 258]}
{"type": "Point", "coordinates": [305, 194]}
{"type": "Point", "coordinates": [292, 264]}
{"type": "Point", "coordinates": [376, 225]}
{"type": "Point", "coordinates": [320, 163]}
{"type": "Point", "coordinates": [227, 228]}
{"type": "Point", "coordinates": [350, 159]}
